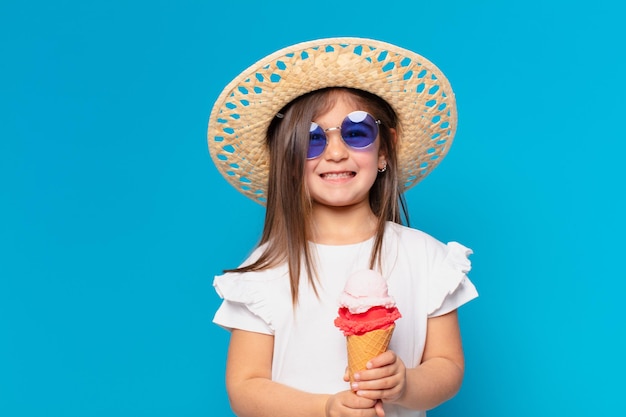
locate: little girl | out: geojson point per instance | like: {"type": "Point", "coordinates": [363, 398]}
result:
{"type": "Point", "coordinates": [328, 134]}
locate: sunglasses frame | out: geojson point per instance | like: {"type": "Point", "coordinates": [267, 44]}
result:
{"type": "Point", "coordinates": [377, 124]}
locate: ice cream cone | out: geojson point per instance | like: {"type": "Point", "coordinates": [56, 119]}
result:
{"type": "Point", "coordinates": [362, 348]}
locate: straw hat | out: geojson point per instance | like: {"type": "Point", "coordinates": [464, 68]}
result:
{"type": "Point", "coordinates": [416, 89]}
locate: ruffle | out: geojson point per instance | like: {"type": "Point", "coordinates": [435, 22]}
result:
{"type": "Point", "coordinates": [448, 274]}
{"type": "Point", "coordinates": [248, 290]}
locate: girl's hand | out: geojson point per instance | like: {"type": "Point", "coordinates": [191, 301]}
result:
{"type": "Point", "coordinates": [348, 404]}
{"type": "Point", "coordinates": [384, 379]}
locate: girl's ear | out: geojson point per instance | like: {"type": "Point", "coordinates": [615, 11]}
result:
{"type": "Point", "coordinates": [382, 162]}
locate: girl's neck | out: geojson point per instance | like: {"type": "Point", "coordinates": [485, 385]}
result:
{"type": "Point", "coordinates": [342, 225]}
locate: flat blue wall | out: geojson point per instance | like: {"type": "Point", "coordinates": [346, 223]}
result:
{"type": "Point", "coordinates": [113, 220]}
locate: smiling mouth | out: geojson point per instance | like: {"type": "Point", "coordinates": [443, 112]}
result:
{"type": "Point", "coordinates": [338, 175]}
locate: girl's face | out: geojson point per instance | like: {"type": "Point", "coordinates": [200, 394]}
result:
{"type": "Point", "coordinates": [342, 176]}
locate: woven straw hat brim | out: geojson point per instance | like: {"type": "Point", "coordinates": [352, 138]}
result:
{"type": "Point", "coordinates": [416, 89]}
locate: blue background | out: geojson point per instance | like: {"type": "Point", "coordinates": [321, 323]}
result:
{"type": "Point", "coordinates": [113, 219]}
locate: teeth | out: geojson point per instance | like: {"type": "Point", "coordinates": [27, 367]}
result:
{"type": "Point", "coordinates": [337, 175]}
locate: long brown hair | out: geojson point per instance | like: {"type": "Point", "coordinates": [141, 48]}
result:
{"type": "Point", "coordinates": [288, 213]}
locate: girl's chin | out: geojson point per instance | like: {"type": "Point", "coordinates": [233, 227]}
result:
{"type": "Point", "coordinates": [339, 201]}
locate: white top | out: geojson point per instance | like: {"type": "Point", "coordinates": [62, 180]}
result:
{"type": "Point", "coordinates": [427, 278]}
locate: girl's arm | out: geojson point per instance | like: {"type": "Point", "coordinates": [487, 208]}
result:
{"type": "Point", "coordinates": [252, 393]}
{"type": "Point", "coordinates": [437, 379]}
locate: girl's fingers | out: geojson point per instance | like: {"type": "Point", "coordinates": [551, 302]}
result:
{"type": "Point", "coordinates": [380, 412]}
{"type": "Point", "coordinates": [384, 359]}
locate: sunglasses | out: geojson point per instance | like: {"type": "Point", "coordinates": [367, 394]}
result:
{"type": "Point", "coordinates": [358, 130]}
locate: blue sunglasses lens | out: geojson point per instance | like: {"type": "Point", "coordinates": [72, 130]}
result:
{"type": "Point", "coordinates": [358, 130]}
{"type": "Point", "coordinates": [317, 141]}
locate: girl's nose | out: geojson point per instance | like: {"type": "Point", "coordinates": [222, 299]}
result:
{"type": "Point", "coordinates": [336, 149]}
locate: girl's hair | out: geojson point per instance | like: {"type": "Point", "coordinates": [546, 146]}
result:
{"type": "Point", "coordinates": [288, 215]}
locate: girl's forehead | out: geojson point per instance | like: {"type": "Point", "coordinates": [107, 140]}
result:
{"type": "Point", "coordinates": [336, 112]}
{"type": "Point", "coordinates": [341, 98]}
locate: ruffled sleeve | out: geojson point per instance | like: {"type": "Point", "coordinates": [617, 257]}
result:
{"type": "Point", "coordinates": [246, 304]}
{"type": "Point", "coordinates": [449, 286]}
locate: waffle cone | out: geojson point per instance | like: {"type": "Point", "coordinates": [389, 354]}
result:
{"type": "Point", "coordinates": [362, 348]}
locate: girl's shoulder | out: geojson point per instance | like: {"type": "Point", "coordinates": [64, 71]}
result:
{"type": "Point", "coordinates": [409, 235]}
{"type": "Point", "coordinates": [443, 267]}
{"type": "Point", "coordinates": [424, 247]}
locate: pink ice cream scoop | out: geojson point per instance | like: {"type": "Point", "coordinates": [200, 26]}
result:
{"type": "Point", "coordinates": [365, 304]}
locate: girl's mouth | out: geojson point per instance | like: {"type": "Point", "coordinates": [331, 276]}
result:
{"type": "Point", "coordinates": [337, 175]}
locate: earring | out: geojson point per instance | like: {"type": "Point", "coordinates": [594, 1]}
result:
{"type": "Point", "coordinates": [384, 168]}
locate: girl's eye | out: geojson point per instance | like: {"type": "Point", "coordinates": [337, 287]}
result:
{"type": "Point", "coordinates": [357, 132]}
{"type": "Point", "coordinates": [316, 134]}
{"type": "Point", "coordinates": [316, 137]}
